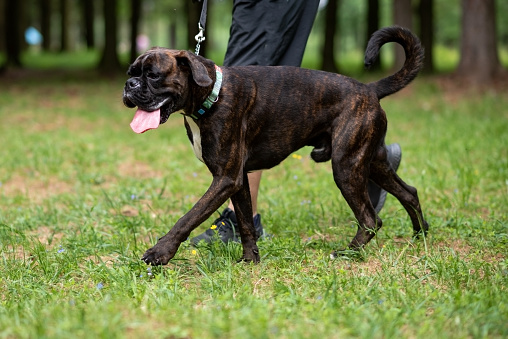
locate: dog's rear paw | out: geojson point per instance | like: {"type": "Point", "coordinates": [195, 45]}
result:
{"type": "Point", "coordinates": [422, 232]}
{"type": "Point", "coordinates": [250, 256]}
{"type": "Point", "coordinates": [346, 254]}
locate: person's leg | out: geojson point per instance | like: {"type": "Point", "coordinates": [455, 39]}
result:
{"type": "Point", "coordinates": [268, 33]}
{"type": "Point", "coordinates": [305, 15]}
{"type": "Point", "coordinates": [254, 180]}
{"type": "Point", "coordinates": [246, 34]}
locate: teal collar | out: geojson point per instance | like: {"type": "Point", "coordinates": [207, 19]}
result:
{"type": "Point", "coordinates": [212, 98]}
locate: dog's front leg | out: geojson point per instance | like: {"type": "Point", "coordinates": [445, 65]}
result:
{"type": "Point", "coordinates": [219, 191]}
{"type": "Point", "coordinates": [243, 210]}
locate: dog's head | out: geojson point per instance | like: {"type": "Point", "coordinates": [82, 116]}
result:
{"type": "Point", "coordinates": [158, 85]}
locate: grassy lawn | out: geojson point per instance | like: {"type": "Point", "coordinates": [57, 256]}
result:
{"type": "Point", "coordinates": [82, 197]}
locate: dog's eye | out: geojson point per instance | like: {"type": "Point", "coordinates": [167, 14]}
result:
{"type": "Point", "coordinates": [182, 62]}
{"type": "Point", "coordinates": [152, 75]}
{"type": "Point", "coordinates": [134, 71]}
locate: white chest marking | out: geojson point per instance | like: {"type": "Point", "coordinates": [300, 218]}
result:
{"type": "Point", "coordinates": [196, 139]}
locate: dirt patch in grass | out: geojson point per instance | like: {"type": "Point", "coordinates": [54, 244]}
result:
{"type": "Point", "coordinates": [374, 264]}
{"type": "Point", "coordinates": [35, 189]}
{"type": "Point", "coordinates": [47, 236]}
{"type": "Point", "coordinates": [16, 252]}
{"type": "Point", "coordinates": [464, 251]}
{"type": "Point", "coordinates": [107, 260]}
{"type": "Point", "coordinates": [138, 169]}
{"type": "Point", "coordinates": [457, 245]}
{"type": "Point", "coordinates": [44, 235]}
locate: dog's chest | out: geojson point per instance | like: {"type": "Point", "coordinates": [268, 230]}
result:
{"type": "Point", "coordinates": [196, 139]}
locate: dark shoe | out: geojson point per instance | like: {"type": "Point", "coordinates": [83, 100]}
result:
{"type": "Point", "coordinates": [377, 195]}
{"type": "Point", "coordinates": [257, 223]}
{"type": "Point", "coordinates": [225, 228]}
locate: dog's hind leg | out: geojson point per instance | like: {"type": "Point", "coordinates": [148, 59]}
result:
{"type": "Point", "coordinates": [243, 209]}
{"type": "Point", "coordinates": [350, 172]}
{"type": "Point", "coordinates": [386, 177]}
{"type": "Point", "coordinates": [354, 190]}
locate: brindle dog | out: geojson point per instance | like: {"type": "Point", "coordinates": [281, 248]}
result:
{"type": "Point", "coordinates": [263, 114]}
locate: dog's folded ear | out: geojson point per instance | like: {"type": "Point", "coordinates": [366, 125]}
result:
{"type": "Point", "coordinates": [198, 70]}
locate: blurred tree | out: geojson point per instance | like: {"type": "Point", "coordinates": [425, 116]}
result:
{"type": "Point", "coordinates": [372, 26]}
{"type": "Point", "coordinates": [479, 61]}
{"type": "Point", "coordinates": [2, 25]}
{"type": "Point", "coordinates": [45, 15]}
{"type": "Point", "coordinates": [109, 62]}
{"type": "Point", "coordinates": [447, 20]}
{"type": "Point", "coordinates": [502, 23]}
{"type": "Point", "coordinates": [12, 32]}
{"type": "Point", "coordinates": [172, 32]}
{"type": "Point", "coordinates": [173, 27]}
{"type": "Point", "coordinates": [426, 9]}
{"type": "Point", "coordinates": [64, 25]}
{"type": "Point", "coordinates": [328, 63]}
{"type": "Point", "coordinates": [402, 16]}
{"type": "Point", "coordinates": [135, 18]}
{"type": "Point", "coordinates": [88, 20]}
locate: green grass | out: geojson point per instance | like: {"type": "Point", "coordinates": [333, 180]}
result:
{"type": "Point", "coordinates": [82, 197]}
{"type": "Point", "coordinates": [65, 60]}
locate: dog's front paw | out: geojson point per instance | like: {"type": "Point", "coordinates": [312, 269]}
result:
{"type": "Point", "coordinates": [160, 254]}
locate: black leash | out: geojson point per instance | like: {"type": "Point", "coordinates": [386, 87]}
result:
{"type": "Point", "coordinates": [200, 37]}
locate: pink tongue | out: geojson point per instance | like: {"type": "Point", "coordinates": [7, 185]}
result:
{"type": "Point", "coordinates": [143, 120]}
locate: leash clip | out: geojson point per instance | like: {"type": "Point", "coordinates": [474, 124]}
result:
{"type": "Point", "coordinates": [200, 37]}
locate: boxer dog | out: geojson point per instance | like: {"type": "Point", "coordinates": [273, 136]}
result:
{"type": "Point", "coordinates": [243, 119]}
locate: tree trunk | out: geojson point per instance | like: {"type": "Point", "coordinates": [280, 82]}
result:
{"type": "Point", "coordinates": [328, 62]}
{"type": "Point", "coordinates": [427, 33]}
{"type": "Point", "coordinates": [109, 63]}
{"type": "Point", "coordinates": [172, 28]}
{"type": "Point", "coordinates": [88, 15]}
{"type": "Point", "coordinates": [45, 7]}
{"type": "Point", "coordinates": [172, 34]}
{"type": "Point", "coordinates": [372, 26]}
{"type": "Point", "coordinates": [479, 61]}
{"type": "Point", "coordinates": [135, 17]}
{"type": "Point", "coordinates": [3, 9]}
{"type": "Point", "coordinates": [13, 32]}
{"type": "Point", "coordinates": [402, 16]}
{"type": "Point", "coordinates": [64, 25]}
{"type": "Point", "coordinates": [2, 25]}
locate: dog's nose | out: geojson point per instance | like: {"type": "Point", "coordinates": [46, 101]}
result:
{"type": "Point", "coordinates": [132, 83]}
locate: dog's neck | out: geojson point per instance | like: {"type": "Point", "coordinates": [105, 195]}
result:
{"type": "Point", "coordinates": [211, 99]}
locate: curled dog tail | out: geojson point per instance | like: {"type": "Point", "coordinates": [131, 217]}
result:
{"type": "Point", "coordinates": [412, 65]}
